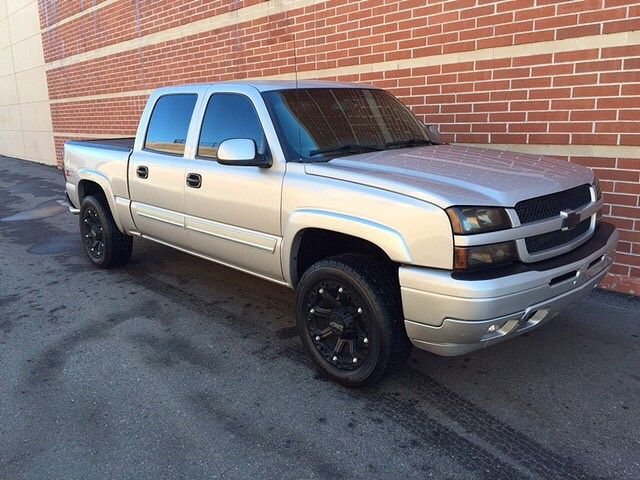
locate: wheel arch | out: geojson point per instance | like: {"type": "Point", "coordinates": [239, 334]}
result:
{"type": "Point", "coordinates": [92, 183]}
{"type": "Point", "coordinates": [329, 233]}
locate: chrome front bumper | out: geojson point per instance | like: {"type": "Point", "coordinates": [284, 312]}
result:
{"type": "Point", "coordinates": [453, 315]}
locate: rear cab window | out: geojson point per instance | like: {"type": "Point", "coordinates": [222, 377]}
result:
{"type": "Point", "coordinates": [169, 123]}
{"type": "Point", "coordinates": [229, 115]}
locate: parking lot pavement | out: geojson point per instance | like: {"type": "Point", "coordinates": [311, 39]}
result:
{"type": "Point", "coordinates": [173, 367]}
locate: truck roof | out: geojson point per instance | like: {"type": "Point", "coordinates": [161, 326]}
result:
{"type": "Point", "coordinates": [266, 85]}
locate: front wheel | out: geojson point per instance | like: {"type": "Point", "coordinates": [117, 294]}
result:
{"type": "Point", "coordinates": [350, 320]}
{"type": "Point", "coordinates": [104, 244]}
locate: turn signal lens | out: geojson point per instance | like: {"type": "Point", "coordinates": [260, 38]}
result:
{"type": "Point", "coordinates": [484, 256]}
{"type": "Point", "coordinates": [465, 220]}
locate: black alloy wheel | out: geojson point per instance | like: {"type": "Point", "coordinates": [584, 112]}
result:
{"type": "Point", "coordinates": [92, 234]}
{"type": "Point", "coordinates": [105, 245]}
{"type": "Point", "coordinates": [350, 319]}
{"type": "Point", "coordinates": [338, 324]}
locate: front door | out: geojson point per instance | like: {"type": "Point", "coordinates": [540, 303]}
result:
{"type": "Point", "coordinates": [156, 171]}
{"type": "Point", "coordinates": [233, 214]}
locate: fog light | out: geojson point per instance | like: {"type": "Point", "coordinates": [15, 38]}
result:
{"type": "Point", "coordinates": [495, 330]}
{"type": "Point", "coordinates": [538, 316]}
{"type": "Point", "coordinates": [495, 327]}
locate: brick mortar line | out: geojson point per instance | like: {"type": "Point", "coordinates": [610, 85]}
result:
{"type": "Point", "coordinates": [600, 151]}
{"type": "Point", "coordinates": [616, 217]}
{"type": "Point", "coordinates": [495, 53]}
{"type": "Point", "coordinates": [137, 93]}
{"type": "Point", "coordinates": [235, 17]}
{"type": "Point", "coordinates": [263, 10]}
{"type": "Point", "coordinates": [102, 96]}
{"type": "Point", "coordinates": [462, 10]}
{"type": "Point", "coordinates": [91, 135]}
{"type": "Point", "coordinates": [141, 93]}
{"type": "Point", "coordinates": [77, 15]}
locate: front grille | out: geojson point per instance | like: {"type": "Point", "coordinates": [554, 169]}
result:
{"type": "Point", "coordinates": [548, 206]}
{"type": "Point", "coordinates": [545, 241]}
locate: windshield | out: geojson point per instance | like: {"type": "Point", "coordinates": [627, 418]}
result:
{"type": "Point", "coordinates": [318, 124]}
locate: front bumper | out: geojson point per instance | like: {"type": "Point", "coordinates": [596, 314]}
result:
{"type": "Point", "coordinates": [452, 314]}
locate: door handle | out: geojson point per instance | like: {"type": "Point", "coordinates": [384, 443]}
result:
{"type": "Point", "coordinates": [194, 180]}
{"type": "Point", "coordinates": [142, 171]}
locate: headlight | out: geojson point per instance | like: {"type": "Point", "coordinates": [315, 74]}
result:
{"type": "Point", "coordinates": [597, 187]}
{"type": "Point", "coordinates": [484, 256]}
{"type": "Point", "coordinates": [466, 220]}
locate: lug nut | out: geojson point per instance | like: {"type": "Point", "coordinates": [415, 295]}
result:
{"type": "Point", "coordinates": [313, 310]}
{"type": "Point", "coordinates": [359, 310]}
{"type": "Point", "coordinates": [366, 340]}
{"type": "Point", "coordinates": [317, 338]}
{"type": "Point", "coordinates": [335, 359]}
{"type": "Point", "coordinates": [340, 290]}
{"type": "Point", "coordinates": [355, 360]}
{"type": "Point", "coordinates": [321, 290]}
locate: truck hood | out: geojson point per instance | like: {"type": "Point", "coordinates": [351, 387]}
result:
{"type": "Point", "coordinates": [447, 175]}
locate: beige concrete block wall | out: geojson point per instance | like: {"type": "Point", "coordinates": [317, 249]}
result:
{"type": "Point", "coordinates": [25, 116]}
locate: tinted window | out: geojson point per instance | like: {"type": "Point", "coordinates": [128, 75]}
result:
{"type": "Point", "coordinates": [169, 123]}
{"type": "Point", "coordinates": [229, 116]}
{"type": "Point", "coordinates": [312, 120]}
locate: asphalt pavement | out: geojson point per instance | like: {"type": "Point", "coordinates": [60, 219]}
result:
{"type": "Point", "coordinates": [174, 367]}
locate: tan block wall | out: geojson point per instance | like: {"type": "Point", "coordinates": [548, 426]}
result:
{"type": "Point", "coordinates": [25, 117]}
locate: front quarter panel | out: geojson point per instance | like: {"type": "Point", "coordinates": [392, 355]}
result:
{"type": "Point", "coordinates": [409, 231]}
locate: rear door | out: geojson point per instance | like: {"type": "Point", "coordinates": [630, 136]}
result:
{"type": "Point", "coordinates": [157, 169]}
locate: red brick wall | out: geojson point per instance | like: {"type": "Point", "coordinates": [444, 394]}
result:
{"type": "Point", "coordinates": [564, 75]}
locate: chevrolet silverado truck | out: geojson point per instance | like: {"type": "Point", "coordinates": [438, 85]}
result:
{"type": "Point", "coordinates": [389, 237]}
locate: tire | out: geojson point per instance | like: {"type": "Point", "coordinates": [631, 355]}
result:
{"type": "Point", "coordinates": [353, 298]}
{"type": "Point", "coordinates": [103, 243]}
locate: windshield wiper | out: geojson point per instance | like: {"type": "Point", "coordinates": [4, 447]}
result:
{"type": "Point", "coordinates": [412, 142]}
{"type": "Point", "coordinates": [349, 148]}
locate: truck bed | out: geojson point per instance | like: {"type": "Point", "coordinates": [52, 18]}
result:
{"type": "Point", "coordinates": [121, 144]}
{"type": "Point", "coordinates": [105, 159]}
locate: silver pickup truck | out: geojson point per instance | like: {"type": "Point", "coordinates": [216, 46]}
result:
{"type": "Point", "coordinates": [389, 237]}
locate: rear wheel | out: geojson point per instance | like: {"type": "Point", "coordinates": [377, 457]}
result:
{"type": "Point", "coordinates": [350, 319]}
{"type": "Point", "coordinates": [104, 244]}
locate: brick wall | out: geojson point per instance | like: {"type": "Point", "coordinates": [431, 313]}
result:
{"type": "Point", "coordinates": [542, 76]}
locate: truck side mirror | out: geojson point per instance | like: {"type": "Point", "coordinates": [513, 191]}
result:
{"type": "Point", "coordinates": [241, 152]}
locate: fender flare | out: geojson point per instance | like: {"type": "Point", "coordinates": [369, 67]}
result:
{"type": "Point", "coordinates": [86, 174]}
{"type": "Point", "coordinates": [386, 238]}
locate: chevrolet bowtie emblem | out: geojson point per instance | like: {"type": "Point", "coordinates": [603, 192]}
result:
{"type": "Point", "coordinates": [569, 219]}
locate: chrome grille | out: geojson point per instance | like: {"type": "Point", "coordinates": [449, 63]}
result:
{"type": "Point", "coordinates": [548, 206]}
